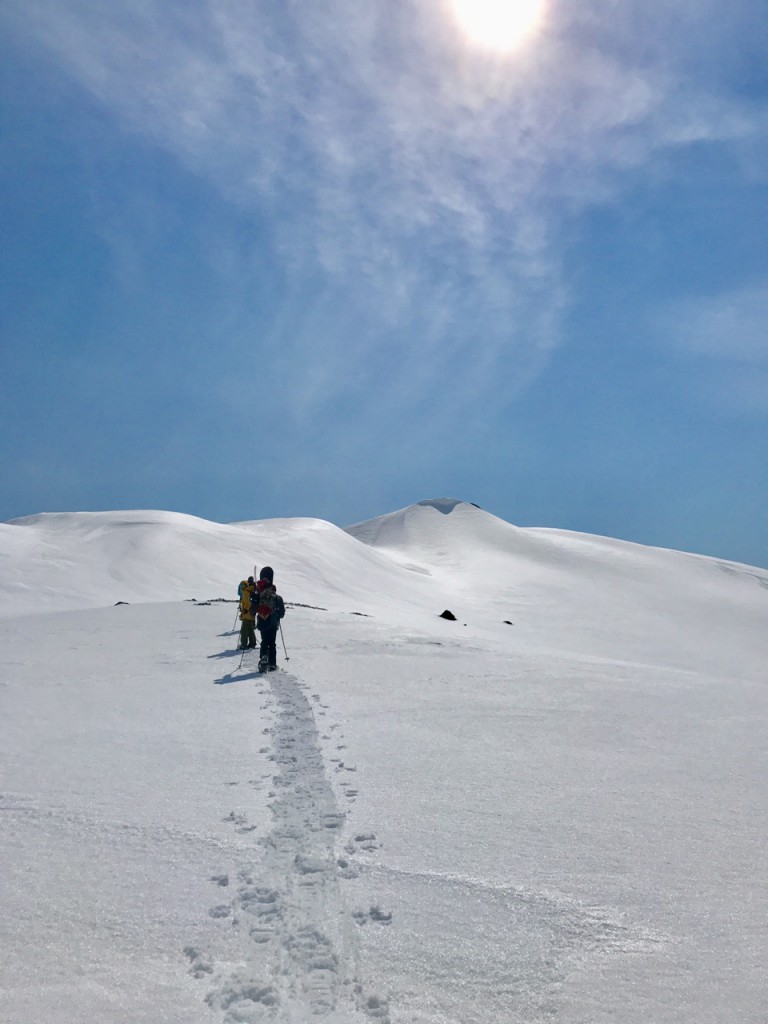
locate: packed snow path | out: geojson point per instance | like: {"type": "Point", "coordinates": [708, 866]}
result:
{"type": "Point", "coordinates": [298, 936]}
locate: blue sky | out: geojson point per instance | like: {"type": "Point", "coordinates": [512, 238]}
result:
{"type": "Point", "coordinates": [284, 259]}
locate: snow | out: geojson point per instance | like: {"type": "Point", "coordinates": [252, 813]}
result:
{"type": "Point", "coordinates": [552, 808]}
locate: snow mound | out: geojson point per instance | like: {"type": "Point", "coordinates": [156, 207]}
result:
{"type": "Point", "coordinates": [464, 538]}
{"type": "Point", "coordinates": [586, 594]}
{"type": "Point", "coordinates": [67, 561]}
{"type": "Point", "coordinates": [428, 525]}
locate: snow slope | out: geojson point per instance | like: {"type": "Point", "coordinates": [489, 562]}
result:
{"type": "Point", "coordinates": [582, 594]}
{"type": "Point", "coordinates": [90, 559]}
{"type": "Point", "coordinates": [415, 820]}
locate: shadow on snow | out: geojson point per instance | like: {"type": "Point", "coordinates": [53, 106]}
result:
{"type": "Point", "coordinates": [231, 678]}
{"type": "Point", "coordinates": [235, 677]}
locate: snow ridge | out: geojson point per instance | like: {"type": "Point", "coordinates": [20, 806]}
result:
{"type": "Point", "coordinates": [301, 939]}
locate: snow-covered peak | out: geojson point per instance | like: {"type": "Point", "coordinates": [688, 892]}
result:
{"type": "Point", "coordinates": [427, 524]}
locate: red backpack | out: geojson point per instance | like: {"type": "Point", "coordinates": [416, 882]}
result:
{"type": "Point", "coordinates": [266, 600]}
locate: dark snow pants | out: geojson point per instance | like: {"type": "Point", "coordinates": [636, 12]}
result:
{"type": "Point", "coordinates": [268, 644]}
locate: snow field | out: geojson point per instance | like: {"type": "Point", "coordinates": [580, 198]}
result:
{"type": "Point", "coordinates": [415, 820]}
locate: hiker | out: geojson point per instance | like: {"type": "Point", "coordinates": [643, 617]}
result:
{"type": "Point", "coordinates": [242, 585]}
{"type": "Point", "coordinates": [247, 616]}
{"type": "Point", "coordinates": [270, 610]}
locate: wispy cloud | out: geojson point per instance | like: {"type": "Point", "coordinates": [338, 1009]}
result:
{"type": "Point", "coordinates": [724, 339]}
{"type": "Point", "coordinates": [427, 182]}
{"type": "Point", "coordinates": [732, 327]}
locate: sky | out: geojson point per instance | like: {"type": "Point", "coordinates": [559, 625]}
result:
{"type": "Point", "coordinates": [277, 259]}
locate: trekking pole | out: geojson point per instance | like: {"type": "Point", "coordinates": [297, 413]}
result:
{"type": "Point", "coordinates": [283, 639]}
{"type": "Point", "coordinates": [234, 624]}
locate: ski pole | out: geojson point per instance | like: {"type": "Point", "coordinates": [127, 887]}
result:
{"type": "Point", "coordinates": [283, 639]}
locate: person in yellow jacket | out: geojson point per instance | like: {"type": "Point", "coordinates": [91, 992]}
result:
{"type": "Point", "coordinates": [248, 607]}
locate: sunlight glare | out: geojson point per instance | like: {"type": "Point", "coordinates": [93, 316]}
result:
{"type": "Point", "coordinates": [499, 24]}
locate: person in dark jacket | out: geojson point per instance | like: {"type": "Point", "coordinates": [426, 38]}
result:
{"type": "Point", "coordinates": [270, 610]}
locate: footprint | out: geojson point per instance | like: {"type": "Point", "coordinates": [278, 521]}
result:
{"type": "Point", "coordinates": [367, 841]}
{"type": "Point", "coordinates": [265, 905]}
{"type": "Point", "coordinates": [332, 820]}
{"type": "Point", "coordinates": [199, 965]}
{"type": "Point", "coordinates": [374, 1006]}
{"type": "Point", "coordinates": [374, 914]}
{"type": "Point", "coordinates": [240, 994]}
{"type": "Point", "coordinates": [235, 819]}
{"type": "Point", "coordinates": [222, 910]}
{"type": "Point", "coordinates": [346, 868]}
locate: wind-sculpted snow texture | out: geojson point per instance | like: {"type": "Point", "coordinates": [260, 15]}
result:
{"type": "Point", "coordinates": [299, 939]}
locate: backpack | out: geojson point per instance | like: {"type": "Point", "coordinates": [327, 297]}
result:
{"type": "Point", "coordinates": [265, 599]}
{"type": "Point", "coordinates": [270, 606]}
{"type": "Point", "coordinates": [247, 604]}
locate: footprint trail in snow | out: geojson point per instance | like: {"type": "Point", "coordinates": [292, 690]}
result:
{"type": "Point", "coordinates": [299, 938]}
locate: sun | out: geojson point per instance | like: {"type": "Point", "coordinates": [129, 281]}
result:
{"type": "Point", "coordinates": [499, 24]}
